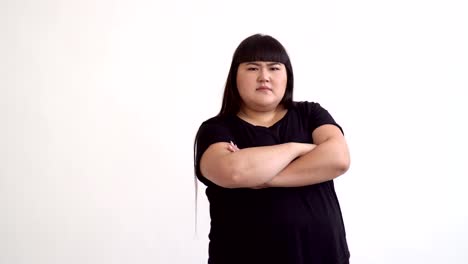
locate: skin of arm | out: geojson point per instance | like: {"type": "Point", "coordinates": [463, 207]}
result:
{"type": "Point", "coordinates": [328, 160]}
{"type": "Point", "coordinates": [249, 167]}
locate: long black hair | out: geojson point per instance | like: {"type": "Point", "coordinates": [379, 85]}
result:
{"type": "Point", "coordinates": [257, 47]}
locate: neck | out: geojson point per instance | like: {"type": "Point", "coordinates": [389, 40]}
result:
{"type": "Point", "coordinates": [263, 118]}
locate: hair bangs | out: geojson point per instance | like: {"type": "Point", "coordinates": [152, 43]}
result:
{"type": "Point", "coordinates": [261, 48]}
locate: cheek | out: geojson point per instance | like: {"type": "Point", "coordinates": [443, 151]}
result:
{"type": "Point", "coordinates": [244, 82]}
{"type": "Point", "coordinates": [239, 80]}
{"type": "Point", "coordinates": [283, 80]}
{"type": "Point", "coordinates": [240, 84]}
{"type": "Point", "coordinates": [241, 87]}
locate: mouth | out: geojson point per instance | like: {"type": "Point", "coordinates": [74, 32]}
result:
{"type": "Point", "coordinates": [264, 88]}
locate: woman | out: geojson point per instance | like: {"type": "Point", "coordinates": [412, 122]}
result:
{"type": "Point", "coordinates": [269, 164]}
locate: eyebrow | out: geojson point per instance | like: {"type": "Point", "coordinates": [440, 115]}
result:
{"type": "Point", "coordinates": [258, 64]}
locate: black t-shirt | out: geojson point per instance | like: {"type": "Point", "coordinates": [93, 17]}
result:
{"type": "Point", "coordinates": [301, 225]}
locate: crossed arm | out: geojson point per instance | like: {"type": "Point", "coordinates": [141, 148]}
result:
{"type": "Point", "coordinates": [284, 165]}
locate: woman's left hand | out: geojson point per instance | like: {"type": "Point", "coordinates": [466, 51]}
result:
{"type": "Point", "coordinates": [233, 147]}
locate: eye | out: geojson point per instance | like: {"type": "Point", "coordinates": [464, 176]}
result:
{"type": "Point", "coordinates": [276, 68]}
{"type": "Point", "coordinates": [252, 68]}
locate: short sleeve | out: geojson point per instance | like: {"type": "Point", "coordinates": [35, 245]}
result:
{"type": "Point", "coordinates": [318, 116]}
{"type": "Point", "coordinates": [208, 134]}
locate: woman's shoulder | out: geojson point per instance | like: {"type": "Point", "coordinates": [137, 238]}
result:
{"type": "Point", "coordinates": [305, 107]}
{"type": "Point", "coordinates": [217, 120]}
{"type": "Point", "coordinates": [310, 109]}
{"type": "Point", "coordinates": [304, 104]}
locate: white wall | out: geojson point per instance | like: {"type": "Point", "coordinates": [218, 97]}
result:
{"type": "Point", "coordinates": [100, 101]}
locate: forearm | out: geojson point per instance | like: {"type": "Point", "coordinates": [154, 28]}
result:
{"type": "Point", "coordinates": [257, 165]}
{"type": "Point", "coordinates": [325, 162]}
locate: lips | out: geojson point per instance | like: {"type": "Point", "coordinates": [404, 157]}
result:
{"type": "Point", "coordinates": [263, 88]}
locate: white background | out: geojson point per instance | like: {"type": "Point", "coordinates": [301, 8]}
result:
{"type": "Point", "coordinates": [100, 102]}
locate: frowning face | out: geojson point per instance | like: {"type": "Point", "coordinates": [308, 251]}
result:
{"type": "Point", "coordinates": [261, 84]}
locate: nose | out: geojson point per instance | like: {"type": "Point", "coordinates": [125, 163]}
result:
{"type": "Point", "coordinates": [264, 75]}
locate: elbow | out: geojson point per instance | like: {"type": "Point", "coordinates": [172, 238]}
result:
{"type": "Point", "coordinates": [340, 156]}
{"type": "Point", "coordinates": [234, 180]}
{"type": "Point", "coordinates": [231, 179]}
{"type": "Point", "coordinates": [224, 172]}
{"type": "Point", "coordinates": [343, 164]}
{"type": "Point", "coordinates": [237, 174]}
{"type": "Point", "coordinates": [230, 182]}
